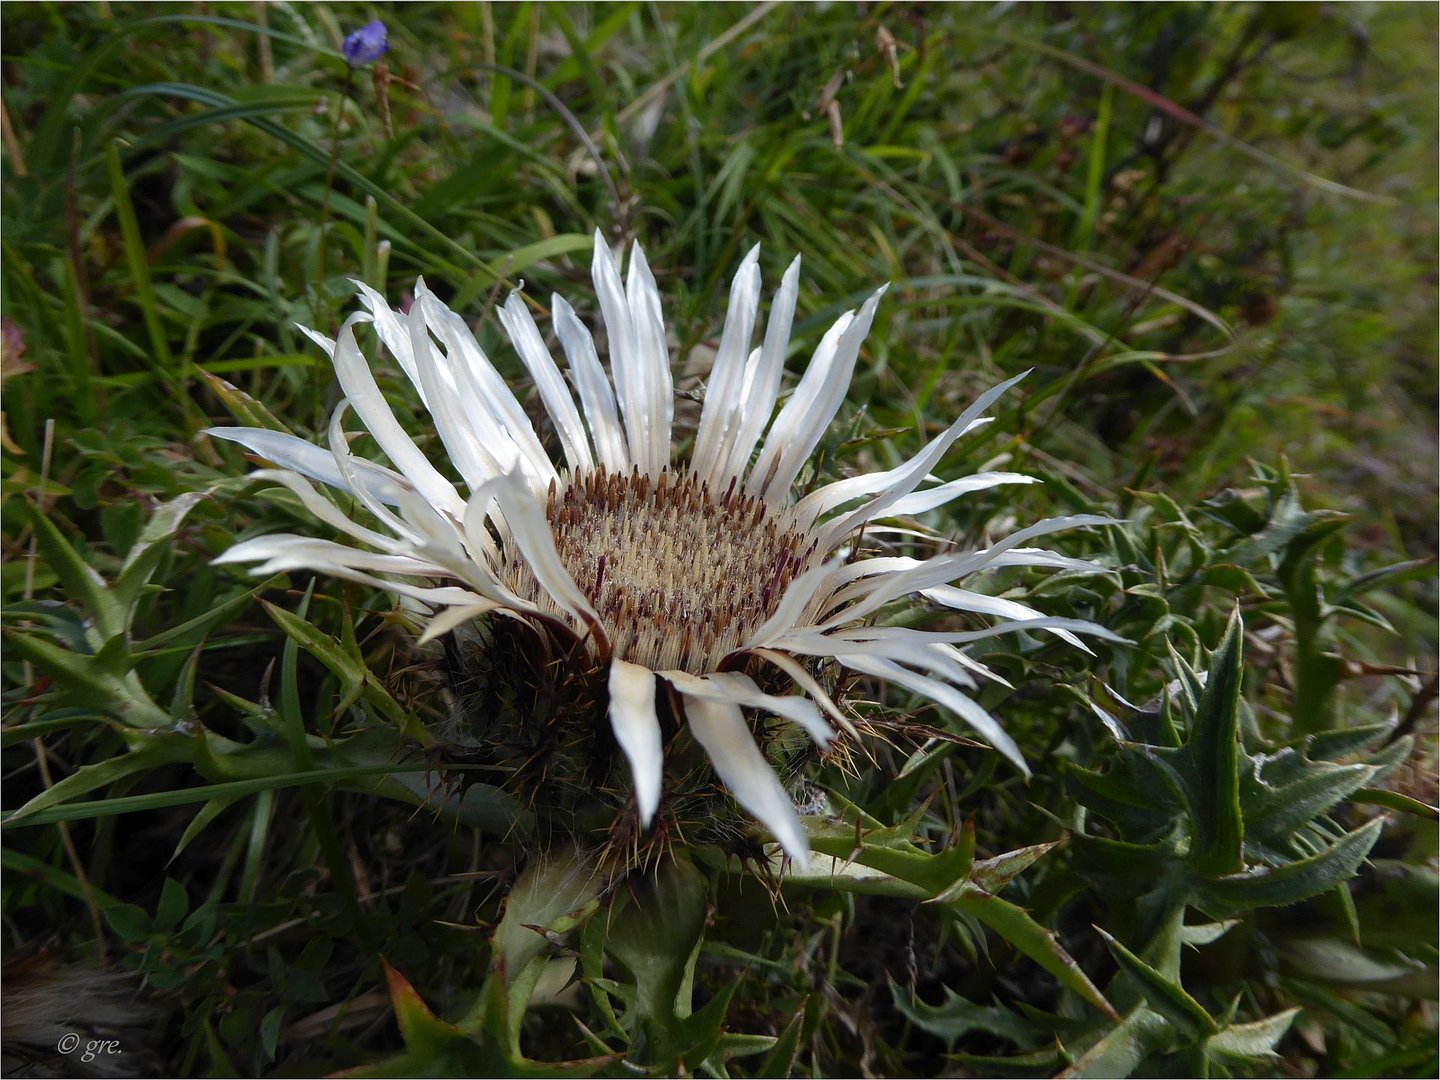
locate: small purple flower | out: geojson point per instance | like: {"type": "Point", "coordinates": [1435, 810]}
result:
{"type": "Point", "coordinates": [366, 45]}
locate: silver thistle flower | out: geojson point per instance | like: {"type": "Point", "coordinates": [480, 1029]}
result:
{"type": "Point", "coordinates": [681, 572]}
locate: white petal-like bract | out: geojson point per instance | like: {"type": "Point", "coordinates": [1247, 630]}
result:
{"type": "Point", "coordinates": [699, 576]}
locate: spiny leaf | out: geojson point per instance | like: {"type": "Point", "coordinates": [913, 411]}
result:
{"type": "Point", "coordinates": [655, 932]}
{"type": "Point", "coordinates": [145, 554]}
{"type": "Point", "coordinates": [1015, 925]}
{"type": "Point", "coordinates": [1123, 1048]}
{"type": "Point", "coordinates": [83, 584]}
{"type": "Point", "coordinates": [350, 669]}
{"type": "Point", "coordinates": [701, 1031]}
{"type": "Point", "coordinates": [1266, 886]}
{"type": "Point", "coordinates": [1205, 933]}
{"type": "Point", "coordinates": [246, 409]}
{"type": "Point", "coordinates": [955, 1017]}
{"type": "Point", "coordinates": [891, 851]}
{"type": "Point", "coordinates": [1211, 752]}
{"type": "Point", "coordinates": [1244, 1043]}
{"type": "Point", "coordinates": [189, 633]}
{"type": "Point", "coordinates": [992, 875]}
{"type": "Point", "coordinates": [1345, 742]}
{"type": "Point", "coordinates": [1344, 965]}
{"type": "Point", "coordinates": [1166, 996]}
{"type": "Point", "coordinates": [780, 1060]}
{"type": "Point", "coordinates": [82, 680]}
{"type": "Point", "coordinates": [1275, 813]}
{"type": "Point", "coordinates": [553, 886]}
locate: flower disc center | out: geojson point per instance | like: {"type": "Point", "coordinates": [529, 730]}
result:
{"type": "Point", "coordinates": [681, 576]}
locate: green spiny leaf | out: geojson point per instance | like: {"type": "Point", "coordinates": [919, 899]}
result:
{"type": "Point", "coordinates": [992, 875]}
{"type": "Point", "coordinates": [1345, 742]}
{"type": "Point", "coordinates": [891, 851]}
{"type": "Point", "coordinates": [246, 409]}
{"type": "Point", "coordinates": [84, 682]}
{"type": "Point", "coordinates": [655, 932]}
{"type": "Point", "coordinates": [1275, 813]}
{"type": "Point", "coordinates": [1344, 965]}
{"type": "Point", "coordinates": [1166, 996]}
{"type": "Point", "coordinates": [349, 669]}
{"type": "Point", "coordinates": [955, 1017]}
{"type": "Point", "coordinates": [1205, 933]}
{"type": "Point", "coordinates": [1015, 926]}
{"type": "Point", "coordinates": [82, 583]}
{"type": "Point", "coordinates": [1211, 752]}
{"type": "Point", "coordinates": [780, 1061]}
{"type": "Point", "coordinates": [555, 886]}
{"type": "Point", "coordinates": [1289, 884]}
{"type": "Point", "coordinates": [1123, 1048]}
{"type": "Point", "coordinates": [145, 554]}
{"type": "Point", "coordinates": [161, 750]}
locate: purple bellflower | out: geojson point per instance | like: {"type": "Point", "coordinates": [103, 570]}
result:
{"type": "Point", "coordinates": [366, 45]}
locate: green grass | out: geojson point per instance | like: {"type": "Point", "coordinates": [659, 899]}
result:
{"type": "Point", "coordinates": [1209, 229]}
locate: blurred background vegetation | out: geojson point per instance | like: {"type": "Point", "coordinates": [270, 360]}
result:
{"type": "Point", "coordinates": [1210, 229]}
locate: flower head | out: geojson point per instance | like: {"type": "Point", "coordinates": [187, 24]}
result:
{"type": "Point", "coordinates": [366, 45]}
{"type": "Point", "coordinates": [698, 588]}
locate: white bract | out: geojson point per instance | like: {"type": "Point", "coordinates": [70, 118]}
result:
{"type": "Point", "coordinates": [677, 571]}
